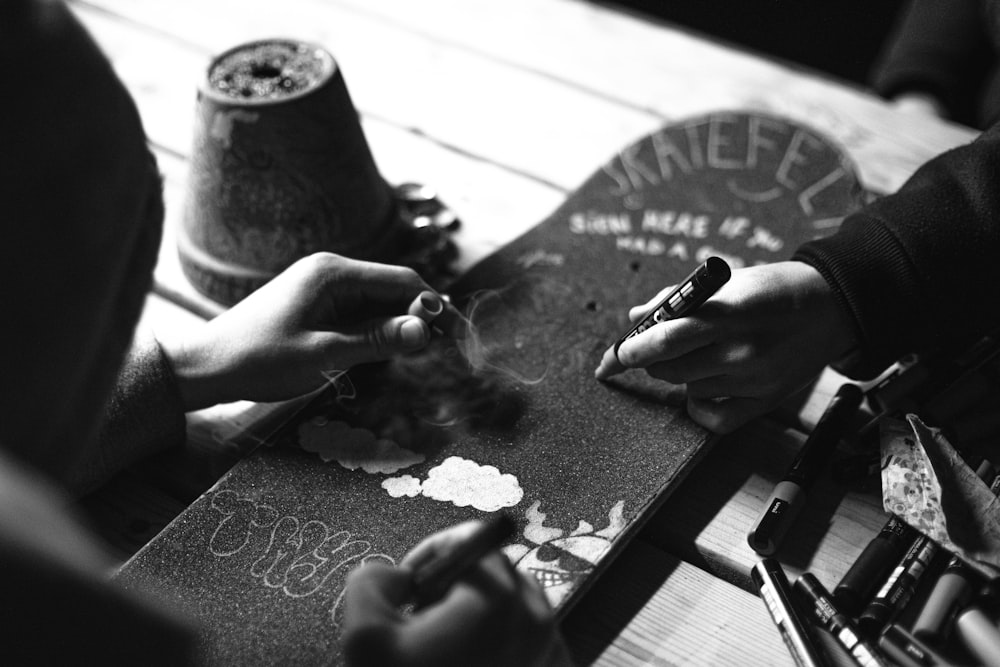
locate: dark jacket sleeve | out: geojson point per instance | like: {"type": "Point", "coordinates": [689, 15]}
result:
{"type": "Point", "coordinates": [939, 47]}
{"type": "Point", "coordinates": [917, 270]}
{"type": "Point", "coordinates": [144, 415]}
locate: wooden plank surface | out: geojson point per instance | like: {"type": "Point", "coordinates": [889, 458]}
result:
{"type": "Point", "coordinates": [473, 62]}
{"type": "Point", "coordinates": [537, 104]}
{"type": "Point", "coordinates": [495, 202]}
{"type": "Point", "coordinates": [547, 130]}
{"type": "Point", "coordinates": [651, 66]}
{"type": "Point", "coordinates": [653, 609]}
{"type": "Point", "coordinates": [707, 519]}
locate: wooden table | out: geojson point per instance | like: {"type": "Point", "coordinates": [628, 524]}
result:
{"type": "Point", "coordinates": [505, 108]}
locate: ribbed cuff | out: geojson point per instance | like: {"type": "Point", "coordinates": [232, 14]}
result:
{"type": "Point", "coordinates": [872, 280]}
{"type": "Point", "coordinates": [144, 416]}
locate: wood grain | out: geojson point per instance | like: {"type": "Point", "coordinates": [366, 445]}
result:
{"type": "Point", "coordinates": [579, 49]}
{"type": "Point", "coordinates": [503, 116]}
{"type": "Point", "coordinates": [653, 609]}
{"type": "Point", "coordinates": [707, 519]}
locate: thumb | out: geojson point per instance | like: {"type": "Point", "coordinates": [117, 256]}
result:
{"type": "Point", "coordinates": [376, 340]}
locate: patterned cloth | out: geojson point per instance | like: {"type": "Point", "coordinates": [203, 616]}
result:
{"type": "Point", "coordinates": [926, 483]}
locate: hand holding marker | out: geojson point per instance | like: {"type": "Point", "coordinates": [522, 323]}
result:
{"type": "Point", "coordinates": [432, 579]}
{"type": "Point", "coordinates": [689, 294]}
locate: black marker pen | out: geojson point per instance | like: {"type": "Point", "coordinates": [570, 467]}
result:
{"type": "Point", "coordinates": [825, 612]}
{"type": "Point", "coordinates": [951, 592]}
{"type": "Point", "coordinates": [690, 293]}
{"type": "Point", "coordinates": [873, 565]}
{"type": "Point", "coordinates": [954, 588]}
{"type": "Point", "coordinates": [790, 493]}
{"type": "Point", "coordinates": [776, 593]}
{"type": "Point", "coordinates": [980, 635]}
{"type": "Point", "coordinates": [899, 587]}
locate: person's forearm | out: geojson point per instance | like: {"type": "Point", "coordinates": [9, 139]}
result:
{"type": "Point", "coordinates": [914, 270]}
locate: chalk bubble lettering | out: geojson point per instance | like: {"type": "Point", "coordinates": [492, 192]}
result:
{"type": "Point", "coordinates": [294, 556]}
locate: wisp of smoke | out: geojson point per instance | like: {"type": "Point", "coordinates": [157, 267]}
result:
{"type": "Point", "coordinates": [475, 350]}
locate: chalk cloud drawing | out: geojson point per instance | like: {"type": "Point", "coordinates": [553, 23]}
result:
{"type": "Point", "coordinates": [405, 485]}
{"type": "Point", "coordinates": [354, 448]}
{"type": "Point", "coordinates": [463, 483]}
{"type": "Point", "coordinates": [559, 561]}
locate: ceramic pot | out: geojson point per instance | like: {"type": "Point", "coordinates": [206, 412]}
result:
{"type": "Point", "coordinates": [280, 169]}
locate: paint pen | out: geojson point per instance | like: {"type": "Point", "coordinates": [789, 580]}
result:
{"type": "Point", "coordinates": [873, 565]}
{"type": "Point", "coordinates": [432, 579]}
{"type": "Point", "coordinates": [899, 587]}
{"type": "Point", "coordinates": [951, 592]}
{"type": "Point", "coordinates": [824, 611]}
{"type": "Point", "coordinates": [790, 494]}
{"type": "Point", "coordinates": [436, 310]}
{"type": "Point", "coordinates": [906, 650]}
{"type": "Point", "coordinates": [979, 634]}
{"type": "Point", "coordinates": [954, 588]}
{"type": "Point", "coordinates": [689, 294]}
{"type": "Point", "coordinates": [776, 593]}
{"type": "Point", "coordinates": [427, 305]}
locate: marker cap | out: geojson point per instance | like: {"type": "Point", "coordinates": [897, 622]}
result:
{"type": "Point", "coordinates": [951, 591]}
{"type": "Point", "coordinates": [980, 635]}
{"type": "Point", "coordinates": [782, 508]}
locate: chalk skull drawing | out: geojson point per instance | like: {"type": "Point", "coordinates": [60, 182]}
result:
{"type": "Point", "coordinates": [559, 561]}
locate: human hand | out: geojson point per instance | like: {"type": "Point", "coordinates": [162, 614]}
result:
{"type": "Point", "coordinates": [494, 616]}
{"type": "Point", "coordinates": [765, 334]}
{"type": "Point", "coordinates": [322, 315]}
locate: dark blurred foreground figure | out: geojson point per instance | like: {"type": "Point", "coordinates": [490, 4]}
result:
{"type": "Point", "coordinates": [80, 201]}
{"type": "Point", "coordinates": [943, 58]}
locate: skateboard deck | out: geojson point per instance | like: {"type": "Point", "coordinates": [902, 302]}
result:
{"type": "Point", "coordinates": [510, 418]}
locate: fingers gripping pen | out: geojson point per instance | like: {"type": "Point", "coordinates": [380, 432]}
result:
{"type": "Point", "coordinates": [690, 293]}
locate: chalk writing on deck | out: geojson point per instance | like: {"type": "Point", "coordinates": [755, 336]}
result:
{"type": "Point", "coordinates": [681, 235]}
{"type": "Point", "coordinates": [780, 159]}
{"type": "Point", "coordinates": [298, 557]}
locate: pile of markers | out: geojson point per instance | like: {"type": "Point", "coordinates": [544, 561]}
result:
{"type": "Point", "coordinates": [906, 600]}
{"type": "Point", "coordinates": [929, 609]}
